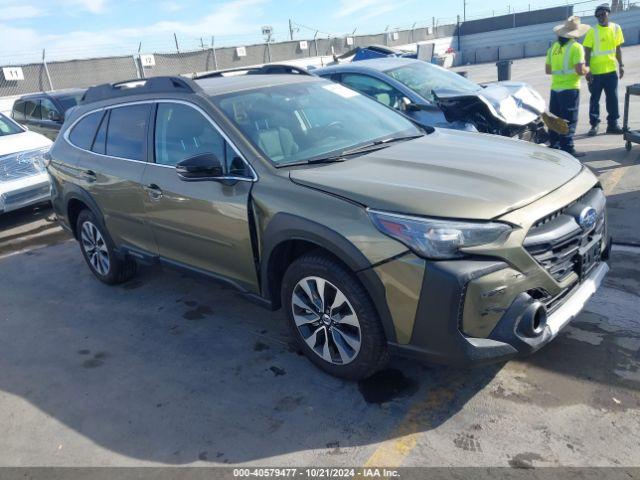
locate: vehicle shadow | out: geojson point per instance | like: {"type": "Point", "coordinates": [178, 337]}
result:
{"type": "Point", "coordinates": [615, 157]}
{"type": "Point", "coordinates": [29, 227]}
{"type": "Point", "coordinates": [25, 215]}
{"type": "Point", "coordinates": [171, 369]}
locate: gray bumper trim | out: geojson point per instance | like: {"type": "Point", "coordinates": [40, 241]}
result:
{"type": "Point", "coordinates": [576, 302]}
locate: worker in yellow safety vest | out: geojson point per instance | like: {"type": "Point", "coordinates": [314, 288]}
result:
{"type": "Point", "coordinates": [566, 65]}
{"type": "Point", "coordinates": [604, 57]}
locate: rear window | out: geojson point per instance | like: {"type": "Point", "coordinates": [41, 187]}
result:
{"type": "Point", "coordinates": [127, 132]}
{"type": "Point", "coordinates": [82, 134]}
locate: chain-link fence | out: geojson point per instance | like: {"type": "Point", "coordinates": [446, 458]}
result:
{"type": "Point", "coordinates": [475, 40]}
{"type": "Point", "coordinates": [55, 75]}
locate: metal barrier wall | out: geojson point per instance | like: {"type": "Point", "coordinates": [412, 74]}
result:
{"type": "Point", "coordinates": [532, 41]}
{"type": "Point", "coordinates": [490, 46]}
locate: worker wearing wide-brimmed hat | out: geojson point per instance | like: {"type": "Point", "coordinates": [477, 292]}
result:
{"type": "Point", "coordinates": [566, 64]}
{"type": "Point", "coordinates": [604, 58]}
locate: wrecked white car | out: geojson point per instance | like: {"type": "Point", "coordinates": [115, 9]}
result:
{"type": "Point", "coordinates": [23, 178]}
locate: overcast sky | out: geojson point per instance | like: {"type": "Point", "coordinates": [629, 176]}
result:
{"type": "Point", "coordinates": [82, 28]}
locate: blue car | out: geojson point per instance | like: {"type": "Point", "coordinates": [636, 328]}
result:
{"type": "Point", "coordinates": [434, 96]}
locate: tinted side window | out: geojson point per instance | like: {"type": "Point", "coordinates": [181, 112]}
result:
{"type": "Point", "coordinates": [127, 132]}
{"type": "Point", "coordinates": [182, 132]}
{"type": "Point", "coordinates": [234, 165]}
{"type": "Point", "coordinates": [18, 110]}
{"type": "Point", "coordinates": [100, 143]}
{"type": "Point", "coordinates": [381, 91]}
{"type": "Point", "coordinates": [82, 134]}
{"type": "Point", "coordinates": [32, 110]}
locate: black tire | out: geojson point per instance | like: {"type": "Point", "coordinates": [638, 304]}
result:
{"type": "Point", "coordinates": [628, 146]}
{"type": "Point", "coordinates": [118, 270]}
{"type": "Point", "coordinates": [373, 354]}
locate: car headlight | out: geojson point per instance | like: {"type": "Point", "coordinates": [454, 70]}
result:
{"type": "Point", "coordinates": [435, 238]}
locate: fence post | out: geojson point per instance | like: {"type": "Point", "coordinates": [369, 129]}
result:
{"type": "Point", "coordinates": [268, 53]}
{"type": "Point", "coordinates": [213, 48]}
{"type": "Point", "coordinates": [46, 70]}
{"type": "Point", "coordinates": [315, 42]}
{"type": "Point", "coordinates": [138, 64]}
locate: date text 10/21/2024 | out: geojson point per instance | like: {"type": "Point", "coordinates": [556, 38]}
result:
{"type": "Point", "coordinates": [329, 473]}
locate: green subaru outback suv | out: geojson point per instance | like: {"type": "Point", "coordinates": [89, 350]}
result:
{"type": "Point", "coordinates": [374, 236]}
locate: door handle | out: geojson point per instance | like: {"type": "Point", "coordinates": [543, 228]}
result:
{"type": "Point", "coordinates": [89, 175]}
{"type": "Point", "coordinates": [154, 191]}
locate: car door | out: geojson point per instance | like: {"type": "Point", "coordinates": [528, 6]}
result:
{"type": "Point", "coordinates": [203, 224]}
{"type": "Point", "coordinates": [51, 118]}
{"type": "Point", "coordinates": [111, 169]}
{"type": "Point", "coordinates": [427, 115]}
{"type": "Point", "coordinates": [32, 115]}
{"type": "Point", "coordinates": [375, 88]}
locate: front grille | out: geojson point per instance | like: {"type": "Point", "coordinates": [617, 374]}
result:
{"type": "Point", "coordinates": [556, 240]}
{"type": "Point", "coordinates": [13, 169]}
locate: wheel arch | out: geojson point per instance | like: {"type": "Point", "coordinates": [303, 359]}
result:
{"type": "Point", "coordinates": [76, 200]}
{"type": "Point", "coordinates": [288, 236]}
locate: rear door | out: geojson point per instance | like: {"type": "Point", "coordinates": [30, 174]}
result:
{"type": "Point", "coordinates": [115, 143]}
{"type": "Point", "coordinates": [204, 225]}
{"type": "Point", "coordinates": [32, 115]}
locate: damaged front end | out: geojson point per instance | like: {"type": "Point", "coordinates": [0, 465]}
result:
{"type": "Point", "coordinates": [511, 109]}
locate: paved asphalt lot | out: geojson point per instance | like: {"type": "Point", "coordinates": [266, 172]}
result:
{"type": "Point", "coordinates": [172, 370]}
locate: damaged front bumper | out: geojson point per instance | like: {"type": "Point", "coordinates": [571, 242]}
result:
{"type": "Point", "coordinates": [525, 327]}
{"type": "Point", "coordinates": [507, 299]}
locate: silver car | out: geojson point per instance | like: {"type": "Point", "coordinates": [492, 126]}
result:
{"type": "Point", "coordinates": [23, 178]}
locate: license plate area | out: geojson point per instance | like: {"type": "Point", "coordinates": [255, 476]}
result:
{"type": "Point", "coordinates": [588, 256]}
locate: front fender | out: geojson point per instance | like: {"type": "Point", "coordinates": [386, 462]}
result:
{"type": "Point", "coordinates": [285, 227]}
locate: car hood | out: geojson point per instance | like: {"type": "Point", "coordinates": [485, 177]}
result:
{"type": "Point", "coordinates": [446, 174]}
{"type": "Point", "coordinates": [20, 142]}
{"type": "Point", "coordinates": [514, 103]}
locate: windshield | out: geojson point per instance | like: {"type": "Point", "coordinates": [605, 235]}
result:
{"type": "Point", "coordinates": [8, 127]}
{"type": "Point", "coordinates": [423, 78]}
{"type": "Point", "coordinates": [68, 101]}
{"type": "Point", "coordinates": [298, 122]}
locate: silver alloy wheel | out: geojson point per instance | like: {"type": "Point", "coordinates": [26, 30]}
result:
{"type": "Point", "coordinates": [326, 320]}
{"type": "Point", "coordinates": [94, 246]}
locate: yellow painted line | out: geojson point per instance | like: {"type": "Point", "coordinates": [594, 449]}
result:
{"type": "Point", "coordinates": [403, 439]}
{"type": "Point", "coordinates": [612, 178]}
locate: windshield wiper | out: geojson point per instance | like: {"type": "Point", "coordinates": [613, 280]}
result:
{"type": "Point", "coordinates": [368, 147]}
{"type": "Point", "coordinates": [377, 145]}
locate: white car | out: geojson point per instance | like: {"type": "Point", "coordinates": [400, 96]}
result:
{"type": "Point", "coordinates": [23, 178]}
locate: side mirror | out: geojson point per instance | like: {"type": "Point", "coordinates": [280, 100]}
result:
{"type": "Point", "coordinates": [202, 167]}
{"type": "Point", "coordinates": [407, 105]}
{"type": "Point", "coordinates": [54, 116]}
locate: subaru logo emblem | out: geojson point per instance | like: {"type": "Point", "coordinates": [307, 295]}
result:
{"type": "Point", "coordinates": [587, 218]}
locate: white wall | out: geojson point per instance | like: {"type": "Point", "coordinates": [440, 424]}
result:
{"type": "Point", "coordinates": [482, 45]}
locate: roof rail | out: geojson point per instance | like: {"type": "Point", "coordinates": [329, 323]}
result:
{"type": "Point", "coordinates": [140, 86]}
{"type": "Point", "coordinates": [273, 68]}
